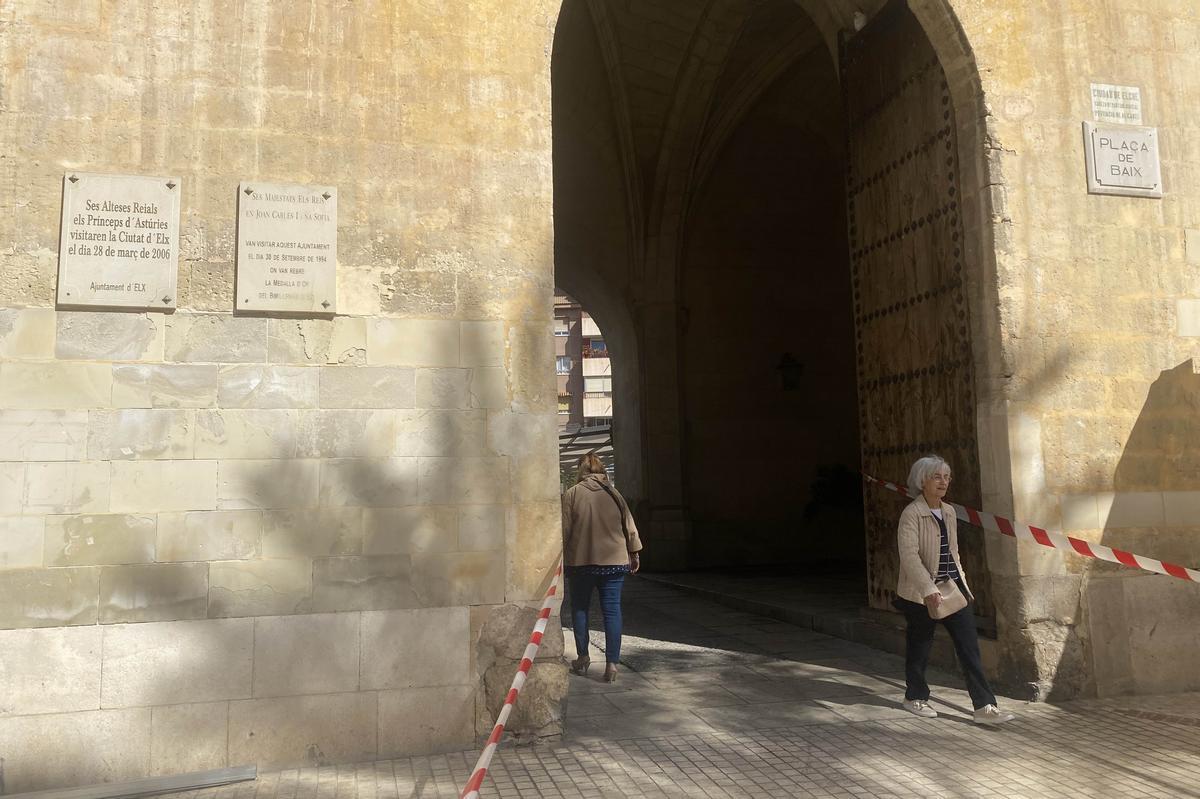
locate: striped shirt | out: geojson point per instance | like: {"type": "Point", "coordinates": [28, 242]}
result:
{"type": "Point", "coordinates": [947, 569]}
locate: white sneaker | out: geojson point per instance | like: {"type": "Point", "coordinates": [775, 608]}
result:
{"type": "Point", "coordinates": [919, 707]}
{"type": "Point", "coordinates": [990, 714]}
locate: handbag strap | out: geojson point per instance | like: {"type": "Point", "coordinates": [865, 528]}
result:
{"type": "Point", "coordinates": [620, 507]}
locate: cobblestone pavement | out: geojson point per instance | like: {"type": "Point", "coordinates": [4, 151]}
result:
{"type": "Point", "coordinates": [714, 702]}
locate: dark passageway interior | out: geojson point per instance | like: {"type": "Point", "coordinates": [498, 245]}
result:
{"type": "Point", "coordinates": [767, 209]}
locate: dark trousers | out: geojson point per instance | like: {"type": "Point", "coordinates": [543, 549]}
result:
{"type": "Point", "coordinates": [609, 586]}
{"type": "Point", "coordinates": [919, 643]}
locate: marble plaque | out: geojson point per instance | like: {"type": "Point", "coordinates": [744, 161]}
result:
{"type": "Point", "coordinates": [1119, 104]}
{"type": "Point", "coordinates": [287, 248]}
{"type": "Point", "coordinates": [1122, 160]}
{"type": "Point", "coordinates": [119, 245]}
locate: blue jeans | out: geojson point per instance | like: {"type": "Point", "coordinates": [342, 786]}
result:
{"type": "Point", "coordinates": [609, 586]}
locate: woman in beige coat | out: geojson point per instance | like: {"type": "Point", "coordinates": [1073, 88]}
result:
{"type": "Point", "coordinates": [928, 542]}
{"type": "Point", "coordinates": [600, 546]}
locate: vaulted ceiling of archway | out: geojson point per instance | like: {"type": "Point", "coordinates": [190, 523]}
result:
{"type": "Point", "coordinates": [683, 72]}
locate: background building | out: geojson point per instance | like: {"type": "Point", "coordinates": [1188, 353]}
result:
{"type": "Point", "coordinates": [585, 398]}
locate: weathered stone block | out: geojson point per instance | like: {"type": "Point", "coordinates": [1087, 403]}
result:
{"type": "Point", "coordinates": [367, 387]}
{"type": "Point", "coordinates": [504, 634]}
{"type": "Point", "coordinates": [443, 388]}
{"type": "Point", "coordinates": [153, 592]}
{"type": "Point", "coordinates": [1160, 654]}
{"type": "Point", "coordinates": [49, 597]}
{"type": "Point", "coordinates": [187, 738]}
{"type": "Point", "coordinates": [163, 487]}
{"type": "Point", "coordinates": [298, 340]}
{"type": "Point", "coordinates": [312, 533]}
{"type": "Point", "coordinates": [268, 387]}
{"type": "Point", "coordinates": [531, 368]}
{"type": "Point", "coordinates": [401, 531]}
{"type": "Point", "coordinates": [43, 435]}
{"type": "Point", "coordinates": [314, 654]}
{"type": "Point", "coordinates": [1181, 508]}
{"type": "Point", "coordinates": [348, 342]}
{"type": "Point", "coordinates": [66, 750]}
{"type": "Point", "coordinates": [533, 549]}
{"type": "Point", "coordinates": [418, 721]}
{"type": "Point", "coordinates": [96, 540]}
{"type": "Point", "coordinates": [346, 434]}
{"type": "Point", "coordinates": [66, 488]}
{"type": "Point", "coordinates": [468, 481]}
{"type": "Point", "coordinates": [379, 582]}
{"type": "Point", "coordinates": [521, 434]}
{"type": "Point", "coordinates": [481, 528]}
{"type": "Point", "coordinates": [46, 386]}
{"type": "Point", "coordinates": [304, 730]}
{"type": "Point", "coordinates": [209, 535]}
{"type": "Point", "coordinates": [317, 341]}
{"type": "Point", "coordinates": [415, 648]}
{"type": "Point", "coordinates": [246, 434]}
{"type": "Point", "coordinates": [49, 671]}
{"type": "Point", "coordinates": [268, 484]}
{"type": "Point", "coordinates": [503, 297]}
{"type": "Point", "coordinates": [536, 477]}
{"type": "Point", "coordinates": [207, 285]}
{"type": "Point", "coordinates": [440, 433]}
{"type": "Point", "coordinates": [218, 338]}
{"type": "Point", "coordinates": [412, 342]}
{"type": "Point", "coordinates": [1136, 509]}
{"type": "Point", "coordinates": [94, 336]}
{"type": "Point", "coordinates": [12, 487]}
{"type": "Point", "coordinates": [545, 689]}
{"type": "Point", "coordinates": [176, 662]}
{"type": "Point", "coordinates": [419, 293]}
{"type": "Point", "coordinates": [359, 289]}
{"type": "Point", "coordinates": [443, 579]}
{"type": "Point", "coordinates": [260, 587]}
{"type": "Point", "coordinates": [482, 344]}
{"type": "Point", "coordinates": [140, 434]}
{"type": "Point", "coordinates": [370, 482]}
{"type": "Point", "coordinates": [489, 388]}
{"type": "Point", "coordinates": [21, 542]}
{"type": "Point", "coordinates": [164, 386]}
{"type": "Point", "coordinates": [27, 333]}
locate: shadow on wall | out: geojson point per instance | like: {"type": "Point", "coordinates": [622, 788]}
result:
{"type": "Point", "coordinates": [1144, 629]}
{"type": "Point", "coordinates": [414, 520]}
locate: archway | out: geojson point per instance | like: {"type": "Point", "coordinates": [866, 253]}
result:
{"type": "Point", "coordinates": [718, 175]}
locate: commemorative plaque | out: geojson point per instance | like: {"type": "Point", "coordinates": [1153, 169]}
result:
{"type": "Point", "coordinates": [287, 248]}
{"type": "Point", "coordinates": [119, 245]}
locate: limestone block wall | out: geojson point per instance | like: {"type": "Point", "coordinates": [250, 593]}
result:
{"type": "Point", "coordinates": [230, 539]}
{"type": "Point", "coordinates": [1090, 424]}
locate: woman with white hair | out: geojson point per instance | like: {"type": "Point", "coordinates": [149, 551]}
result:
{"type": "Point", "coordinates": [933, 588]}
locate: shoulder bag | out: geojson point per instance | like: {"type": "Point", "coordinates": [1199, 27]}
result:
{"type": "Point", "coordinates": [952, 600]}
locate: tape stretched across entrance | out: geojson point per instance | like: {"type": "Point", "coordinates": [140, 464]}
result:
{"type": "Point", "coordinates": [1037, 535]}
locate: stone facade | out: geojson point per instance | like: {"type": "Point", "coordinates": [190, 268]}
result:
{"type": "Point", "coordinates": [294, 538]}
{"type": "Point", "coordinates": [230, 539]}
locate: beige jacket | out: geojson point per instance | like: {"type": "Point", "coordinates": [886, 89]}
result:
{"type": "Point", "coordinates": [920, 543]}
{"type": "Point", "coordinates": [591, 524]}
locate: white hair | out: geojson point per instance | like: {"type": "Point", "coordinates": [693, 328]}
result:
{"type": "Point", "coordinates": [920, 472]}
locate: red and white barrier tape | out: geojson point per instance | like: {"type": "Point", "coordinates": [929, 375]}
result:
{"type": "Point", "coordinates": [1036, 535]}
{"type": "Point", "coordinates": [471, 791]}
